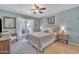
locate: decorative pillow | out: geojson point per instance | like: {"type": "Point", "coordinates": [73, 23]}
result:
{"type": "Point", "coordinates": [13, 34]}
{"type": "Point", "coordinates": [46, 30]}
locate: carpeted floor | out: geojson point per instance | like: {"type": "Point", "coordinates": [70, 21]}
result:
{"type": "Point", "coordinates": [22, 47]}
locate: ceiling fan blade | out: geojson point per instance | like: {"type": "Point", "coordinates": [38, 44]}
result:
{"type": "Point", "coordinates": [42, 8]}
{"type": "Point", "coordinates": [37, 7]}
{"type": "Point", "coordinates": [34, 12]}
{"type": "Point", "coordinates": [41, 12]}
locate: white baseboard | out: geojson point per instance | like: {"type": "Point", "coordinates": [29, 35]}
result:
{"type": "Point", "coordinates": [73, 43]}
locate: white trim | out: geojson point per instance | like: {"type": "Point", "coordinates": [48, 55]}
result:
{"type": "Point", "coordinates": [73, 43]}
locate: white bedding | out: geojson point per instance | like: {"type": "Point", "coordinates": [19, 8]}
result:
{"type": "Point", "coordinates": [40, 40]}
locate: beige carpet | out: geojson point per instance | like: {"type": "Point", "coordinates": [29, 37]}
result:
{"type": "Point", "coordinates": [22, 47]}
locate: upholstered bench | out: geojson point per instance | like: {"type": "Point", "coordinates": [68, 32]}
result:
{"type": "Point", "coordinates": [13, 38]}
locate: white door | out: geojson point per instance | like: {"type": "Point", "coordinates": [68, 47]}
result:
{"type": "Point", "coordinates": [21, 27]}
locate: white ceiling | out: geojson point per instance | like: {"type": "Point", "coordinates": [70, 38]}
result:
{"type": "Point", "coordinates": [25, 8]}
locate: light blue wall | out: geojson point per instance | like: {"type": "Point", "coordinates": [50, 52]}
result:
{"type": "Point", "coordinates": [8, 14]}
{"type": "Point", "coordinates": [15, 15]}
{"type": "Point", "coordinates": [70, 19]}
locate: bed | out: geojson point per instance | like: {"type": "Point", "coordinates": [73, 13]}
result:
{"type": "Point", "coordinates": [40, 40]}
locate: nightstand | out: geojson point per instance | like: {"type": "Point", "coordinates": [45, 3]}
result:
{"type": "Point", "coordinates": [63, 37]}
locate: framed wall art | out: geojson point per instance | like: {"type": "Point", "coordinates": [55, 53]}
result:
{"type": "Point", "coordinates": [51, 20]}
{"type": "Point", "coordinates": [9, 22]}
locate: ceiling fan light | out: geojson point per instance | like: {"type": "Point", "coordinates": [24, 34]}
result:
{"type": "Point", "coordinates": [36, 11]}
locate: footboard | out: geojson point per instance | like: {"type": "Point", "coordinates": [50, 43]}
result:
{"type": "Point", "coordinates": [34, 41]}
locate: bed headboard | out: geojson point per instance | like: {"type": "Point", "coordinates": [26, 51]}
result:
{"type": "Point", "coordinates": [53, 29]}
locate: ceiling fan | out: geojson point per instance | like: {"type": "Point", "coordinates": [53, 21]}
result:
{"type": "Point", "coordinates": [37, 9]}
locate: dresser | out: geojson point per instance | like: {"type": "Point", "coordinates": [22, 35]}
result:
{"type": "Point", "coordinates": [4, 43]}
{"type": "Point", "coordinates": [4, 47]}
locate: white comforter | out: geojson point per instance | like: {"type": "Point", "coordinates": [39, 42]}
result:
{"type": "Point", "coordinates": [41, 40]}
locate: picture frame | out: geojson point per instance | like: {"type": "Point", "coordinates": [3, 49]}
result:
{"type": "Point", "coordinates": [51, 20]}
{"type": "Point", "coordinates": [9, 22]}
